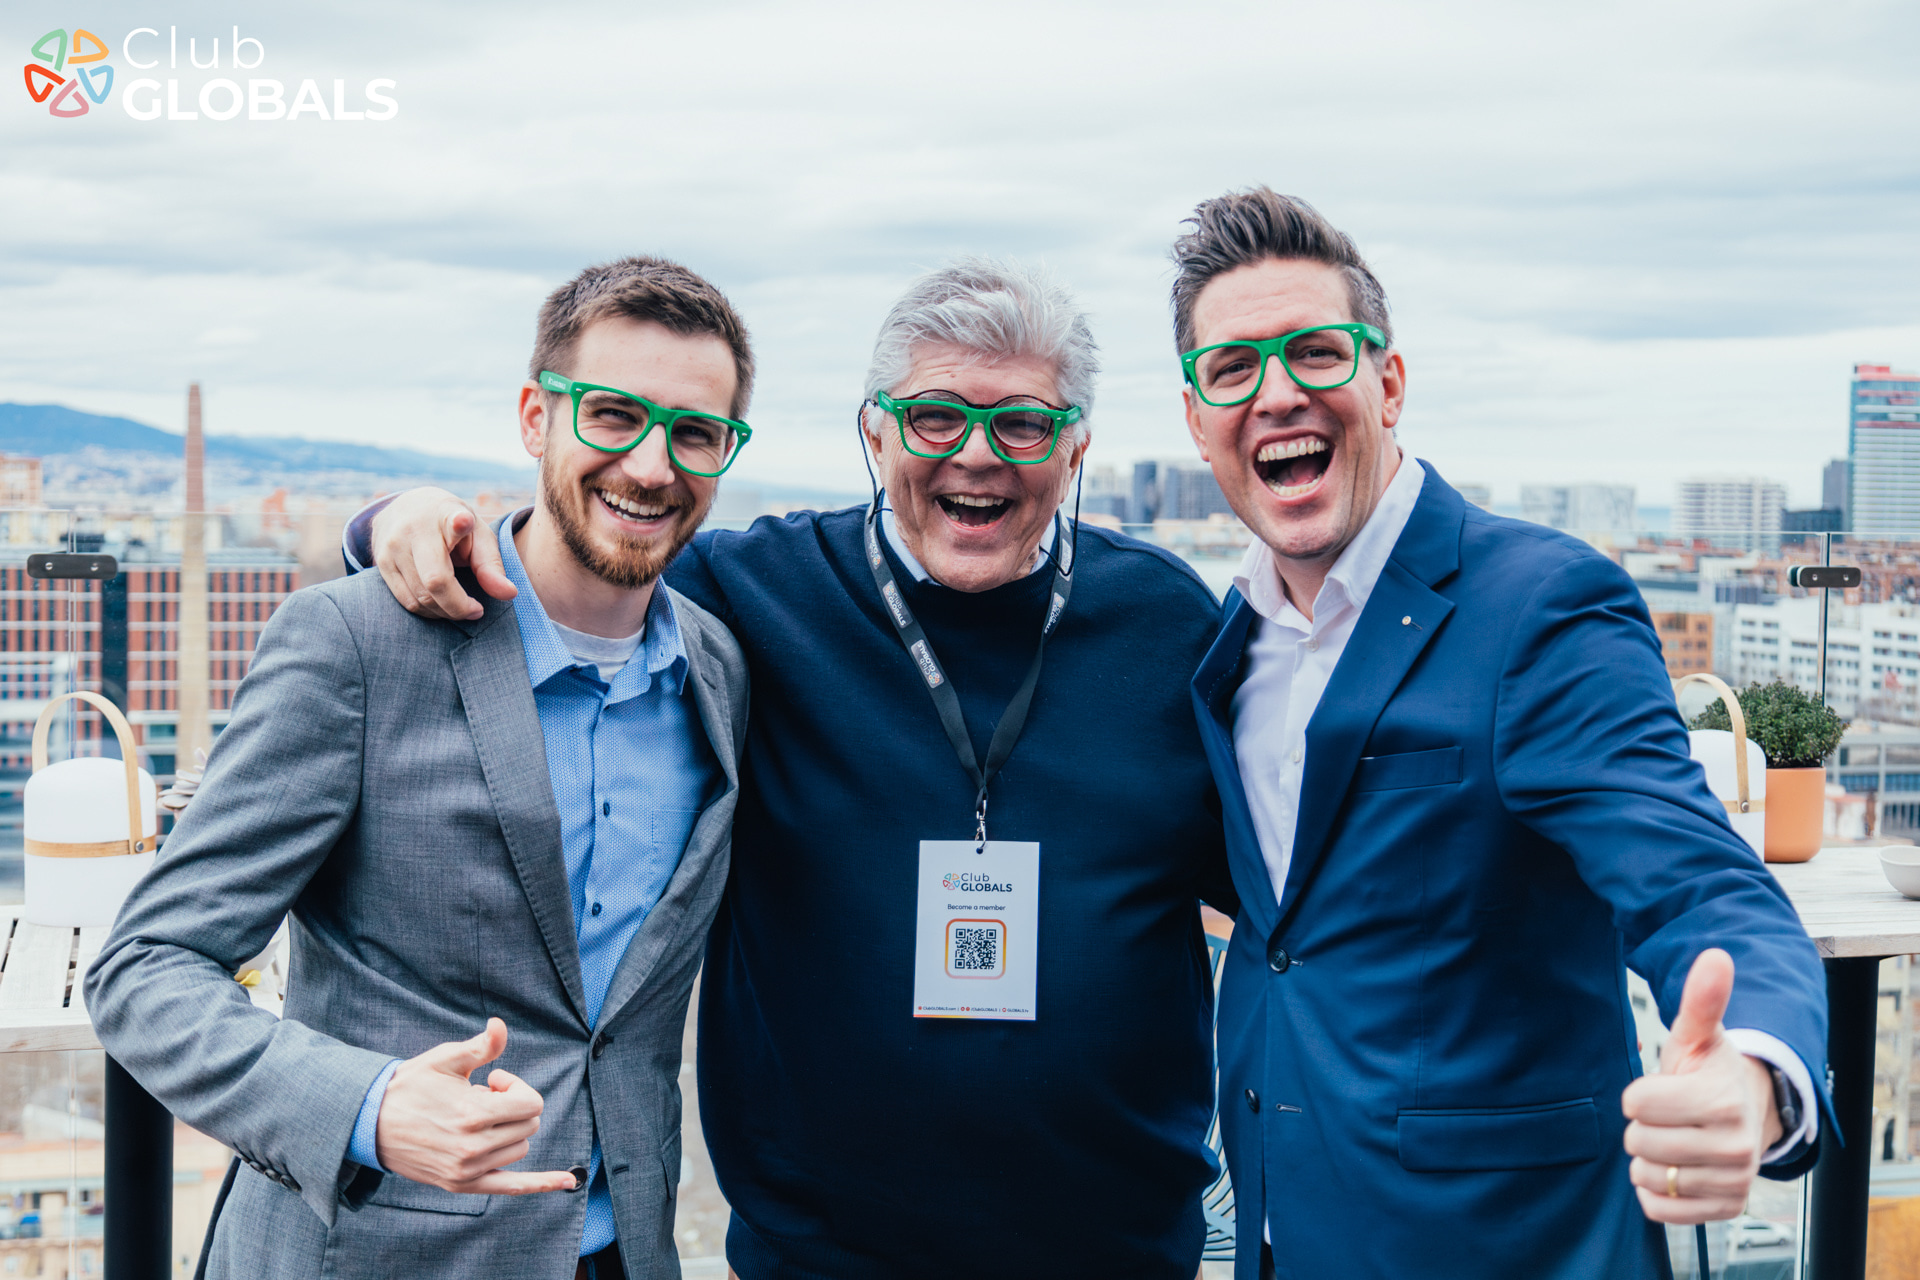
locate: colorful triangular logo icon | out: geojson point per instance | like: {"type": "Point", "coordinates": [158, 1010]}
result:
{"type": "Point", "coordinates": [88, 81]}
{"type": "Point", "coordinates": [81, 38]}
{"type": "Point", "coordinates": [49, 82]}
{"type": "Point", "coordinates": [72, 91]}
{"type": "Point", "coordinates": [57, 58]}
{"type": "Point", "coordinates": [89, 77]}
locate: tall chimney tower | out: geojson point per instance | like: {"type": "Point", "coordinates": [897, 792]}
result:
{"type": "Point", "coordinates": [194, 666]}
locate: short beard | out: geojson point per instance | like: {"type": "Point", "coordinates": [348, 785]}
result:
{"type": "Point", "coordinates": [631, 564]}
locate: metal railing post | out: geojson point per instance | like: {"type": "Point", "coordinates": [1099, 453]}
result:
{"type": "Point", "coordinates": [1838, 1189]}
{"type": "Point", "coordinates": [139, 1225]}
{"type": "Point", "coordinates": [1826, 557]}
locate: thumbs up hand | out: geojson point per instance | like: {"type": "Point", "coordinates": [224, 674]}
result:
{"type": "Point", "coordinates": [436, 1127]}
{"type": "Point", "coordinates": [1698, 1129]}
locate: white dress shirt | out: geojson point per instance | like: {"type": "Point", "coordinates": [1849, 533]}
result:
{"type": "Point", "coordinates": [1289, 661]}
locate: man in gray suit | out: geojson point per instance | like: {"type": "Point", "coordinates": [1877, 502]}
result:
{"type": "Point", "coordinates": [516, 826]}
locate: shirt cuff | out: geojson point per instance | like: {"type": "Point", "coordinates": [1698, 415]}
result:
{"type": "Point", "coordinates": [356, 539]}
{"type": "Point", "coordinates": [364, 1147]}
{"type": "Point", "coordinates": [1774, 1052]}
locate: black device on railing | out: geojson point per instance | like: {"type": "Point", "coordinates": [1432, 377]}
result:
{"type": "Point", "coordinates": [1824, 577]}
{"type": "Point", "coordinates": [66, 565]}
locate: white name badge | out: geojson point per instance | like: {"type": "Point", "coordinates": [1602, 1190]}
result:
{"type": "Point", "coordinates": [975, 952]}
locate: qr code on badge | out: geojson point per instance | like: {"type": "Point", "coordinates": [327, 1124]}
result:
{"type": "Point", "coordinates": [974, 948]}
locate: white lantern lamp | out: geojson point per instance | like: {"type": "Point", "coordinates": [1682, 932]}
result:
{"type": "Point", "coordinates": [92, 826]}
{"type": "Point", "coordinates": [1736, 766]}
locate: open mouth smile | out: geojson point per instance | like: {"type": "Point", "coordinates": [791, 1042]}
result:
{"type": "Point", "coordinates": [1293, 468]}
{"type": "Point", "coordinates": [629, 511]}
{"type": "Point", "coordinates": [973, 511]}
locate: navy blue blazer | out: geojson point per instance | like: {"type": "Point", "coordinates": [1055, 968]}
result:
{"type": "Point", "coordinates": [1423, 1043]}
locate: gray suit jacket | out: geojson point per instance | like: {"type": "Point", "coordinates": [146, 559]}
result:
{"type": "Point", "coordinates": [384, 778]}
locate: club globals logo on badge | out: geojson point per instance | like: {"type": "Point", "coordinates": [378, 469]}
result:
{"type": "Point", "coordinates": [973, 882]}
{"type": "Point", "coordinates": [68, 72]}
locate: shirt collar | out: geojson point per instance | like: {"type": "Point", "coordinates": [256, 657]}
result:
{"type": "Point", "coordinates": [661, 653]}
{"type": "Point", "coordinates": [1354, 573]}
{"type": "Point", "coordinates": [892, 534]}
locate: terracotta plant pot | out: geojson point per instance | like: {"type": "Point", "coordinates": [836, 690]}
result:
{"type": "Point", "coordinates": [1796, 813]}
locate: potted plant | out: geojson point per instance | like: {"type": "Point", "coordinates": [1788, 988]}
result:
{"type": "Point", "coordinates": [1797, 731]}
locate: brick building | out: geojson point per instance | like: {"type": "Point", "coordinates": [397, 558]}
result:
{"type": "Point", "coordinates": [1686, 642]}
{"type": "Point", "coordinates": [124, 637]}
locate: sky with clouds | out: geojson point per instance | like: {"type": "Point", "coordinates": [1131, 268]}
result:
{"type": "Point", "coordinates": [1627, 242]}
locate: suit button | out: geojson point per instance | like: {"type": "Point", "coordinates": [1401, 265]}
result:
{"type": "Point", "coordinates": [1253, 1102]}
{"type": "Point", "coordinates": [600, 1045]}
{"type": "Point", "coordinates": [1278, 959]}
{"type": "Point", "coordinates": [579, 1173]}
{"type": "Point", "coordinates": [286, 1180]}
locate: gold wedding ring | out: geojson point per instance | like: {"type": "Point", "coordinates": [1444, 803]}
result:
{"type": "Point", "coordinates": [1673, 1182]}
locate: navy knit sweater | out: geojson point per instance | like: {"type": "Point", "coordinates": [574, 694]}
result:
{"type": "Point", "coordinates": [853, 1140]}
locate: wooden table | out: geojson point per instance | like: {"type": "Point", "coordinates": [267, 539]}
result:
{"type": "Point", "coordinates": [41, 968]}
{"type": "Point", "coordinates": [1856, 919]}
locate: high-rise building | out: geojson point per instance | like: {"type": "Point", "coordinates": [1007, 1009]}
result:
{"type": "Point", "coordinates": [1883, 448]}
{"type": "Point", "coordinates": [1813, 520]}
{"type": "Point", "coordinates": [1177, 489]}
{"type": "Point", "coordinates": [1144, 502]}
{"type": "Point", "coordinates": [1580, 508]}
{"type": "Point", "coordinates": [1188, 491]}
{"type": "Point", "coordinates": [1740, 513]}
{"type": "Point", "coordinates": [1834, 485]}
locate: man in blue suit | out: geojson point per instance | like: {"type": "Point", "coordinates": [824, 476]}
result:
{"type": "Point", "coordinates": [1459, 804]}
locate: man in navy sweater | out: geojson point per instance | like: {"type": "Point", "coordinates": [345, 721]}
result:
{"type": "Point", "coordinates": [1059, 1133]}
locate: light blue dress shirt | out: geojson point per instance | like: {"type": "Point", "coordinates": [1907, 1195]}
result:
{"type": "Point", "coordinates": [631, 771]}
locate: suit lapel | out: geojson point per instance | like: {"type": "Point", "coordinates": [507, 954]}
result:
{"type": "Point", "coordinates": [1401, 618]}
{"type": "Point", "coordinates": [711, 833]}
{"type": "Point", "coordinates": [491, 670]}
{"type": "Point", "coordinates": [1214, 685]}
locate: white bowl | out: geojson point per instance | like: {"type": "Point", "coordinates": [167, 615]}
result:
{"type": "Point", "coordinates": [1901, 865]}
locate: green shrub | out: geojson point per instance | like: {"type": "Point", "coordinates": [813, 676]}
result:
{"type": "Point", "coordinates": [1794, 728]}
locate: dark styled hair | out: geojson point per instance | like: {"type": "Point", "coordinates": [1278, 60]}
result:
{"type": "Point", "coordinates": [641, 289]}
{"type": "Point", "coordinates": [1245, 227]}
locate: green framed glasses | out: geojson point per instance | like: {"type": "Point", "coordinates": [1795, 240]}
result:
{"type": "Point", "coordinates": [616, 421]}
{"type": "Point", "coordinates": [1318, 359]}
{"type": "Point", "coordinates": [1023, 434]}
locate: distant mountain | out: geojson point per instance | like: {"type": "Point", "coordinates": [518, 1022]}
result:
{"type": "Point", "coordinates": [54, 432]}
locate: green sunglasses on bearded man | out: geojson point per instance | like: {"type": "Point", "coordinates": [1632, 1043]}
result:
{"type": "Point", "coordinates": [616, 421]}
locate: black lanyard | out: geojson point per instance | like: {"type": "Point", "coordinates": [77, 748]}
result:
{"type": "Point", "coordinates": [945, 700]}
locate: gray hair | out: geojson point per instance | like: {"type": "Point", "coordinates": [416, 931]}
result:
{"type": "Point", "coordinates": [1245, 227]}
{"type": "Point", "coordinates": [993, 309]}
